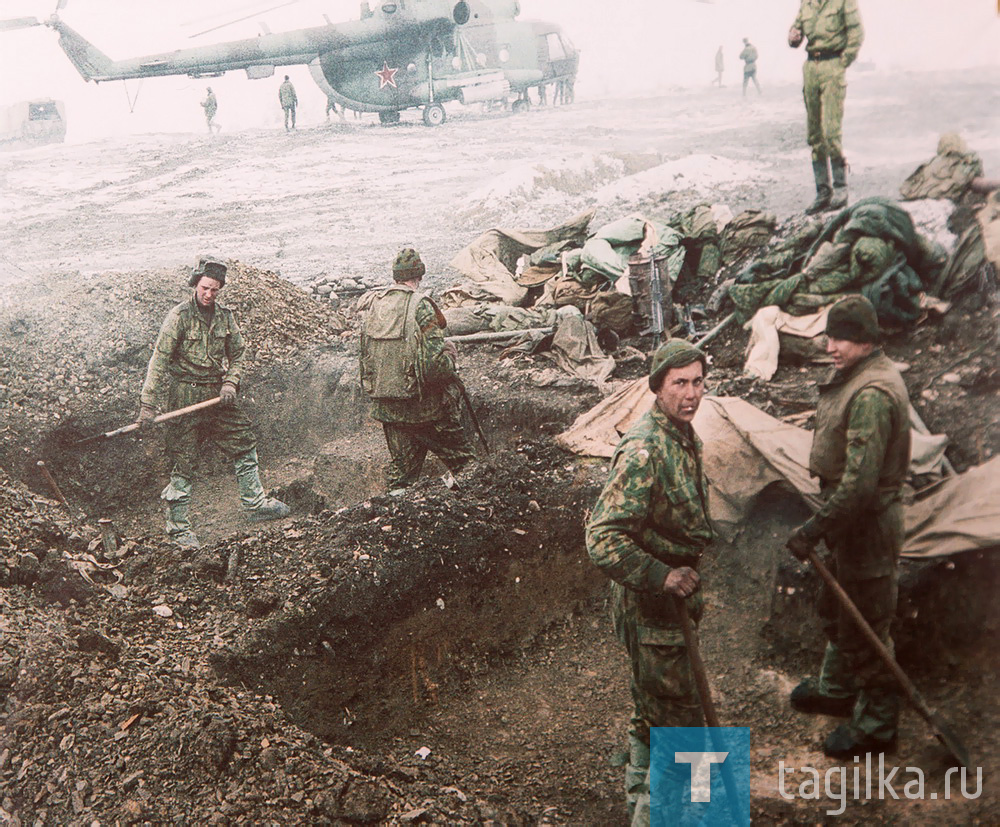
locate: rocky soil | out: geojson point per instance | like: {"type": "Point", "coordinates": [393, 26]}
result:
{"type": "Point", "coordinates": [438, 657]}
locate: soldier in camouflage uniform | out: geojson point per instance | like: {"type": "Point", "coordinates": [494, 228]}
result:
{"type": "Point", "coordinates": [200, 355]}
{"type": "Point", "coordinates": [409, 371]}
{"type": "Point", "coordinates": [860, 452]}
{"type": "Point", "coordinates": [648, 532]}
{"type": "Point", "coordinates": [833, 31]}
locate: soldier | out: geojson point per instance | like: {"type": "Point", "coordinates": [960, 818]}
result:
{"type": "Point", "coordinates": [834, 35]}
{"type": "Point", "coordinates": [720, 65]}
{"type": "Point", "coordinates": [199, 355]}
{"type": "Point", "coordinates": [211, 106]}
{"type": "Point", "coordinates": [289, 100]}
{"type": "Point", "coordinates": [648, 532]}
{"type": "Point", "coordinates": [749, 58]}
{"type": "Point", "coordinates": [860, 452]}
{"type": "Point", "coordinates": [409, 371]}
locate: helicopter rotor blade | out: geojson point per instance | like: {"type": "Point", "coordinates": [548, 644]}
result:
{"type": "Point", "coordinates": [247, 17]}
{"type": "Point", "coordinates": [61, 5]}
{"type": "Point", "coordinates": [18, 23]}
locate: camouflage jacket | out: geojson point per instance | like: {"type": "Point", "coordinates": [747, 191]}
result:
{"type": "Point", "coordinates": [192, 347]}
{"type": "Point", "coordinates": [876, 449]}
{"type": "Point", "coordinates": [286, 94]}
{"type": "Point", "coordinates": [652, 515]}
{"type": "Point", "coordinates": [831, 26]}
{"type": "Point", "coordinates": [436, 367]}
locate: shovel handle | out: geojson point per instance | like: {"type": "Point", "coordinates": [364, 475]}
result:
{"type": "Point", "coordinates": [883, 652]}
{"type": "Point", "coordinates": [697, 664]}
{"type": "Point", "coordinates": [197, 406]}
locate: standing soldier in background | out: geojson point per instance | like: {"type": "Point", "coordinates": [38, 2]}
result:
{"type": "Point", "coordinates": [408, 370]}
{"type": "Point", "coordinates": [749, 58]}
{"type": "Point", "coordinates": [648, 533]}
{"type": "Point", "coordinates": [289, 100]}
{"type": "Point", "coordinates": [199, 355]}
{"type": "Point", "coordinates": [719, 66]}
{"type": "Point", "coordinates": [211, 106]}
{"type": "Point", "coordinates": [833, 31]}
{"type": "Point", "coordinates": [861, 453]}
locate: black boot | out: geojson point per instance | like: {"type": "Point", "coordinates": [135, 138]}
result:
{"type": "Point", "coordinates": [839, 198]}
{"type": "Point", "coordinates": [821, 172]}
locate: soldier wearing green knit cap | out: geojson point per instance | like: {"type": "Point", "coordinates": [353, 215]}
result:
{"type": "Point", "coordinates": [648, 533]}
{"type": "Point", "coordinates": [409, 372]}
{"type": "Point", "coordinates": [860, 453]}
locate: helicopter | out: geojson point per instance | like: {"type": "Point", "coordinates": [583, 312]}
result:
{"type": "Point", "coordinates": [399, 55]}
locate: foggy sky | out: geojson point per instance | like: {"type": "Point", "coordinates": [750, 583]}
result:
{"type": "Point", "coordinates": [647, 46]}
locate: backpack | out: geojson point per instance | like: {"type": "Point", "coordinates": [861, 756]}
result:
{"type": "Point", "coordinates": [390, 346]}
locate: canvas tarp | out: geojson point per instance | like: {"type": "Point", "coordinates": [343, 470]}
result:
{"type": "Point", "coordinates": [489, 261]}
{"type": "Point", "coordinates": [746, 450]}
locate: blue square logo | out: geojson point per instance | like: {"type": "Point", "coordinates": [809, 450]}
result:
{"type": "Point", "coordinates": [699, 776]}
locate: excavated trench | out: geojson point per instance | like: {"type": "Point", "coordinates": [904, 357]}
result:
{"type": "Point", "coordinates": [395, 602]}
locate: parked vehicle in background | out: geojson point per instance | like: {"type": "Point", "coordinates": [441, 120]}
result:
{"type": "Point", "coordinates": [34, 122]}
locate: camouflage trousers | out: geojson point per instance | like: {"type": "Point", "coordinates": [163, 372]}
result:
{"type": "Point", "coordinates": [824, 87]}
{"type": "Point", "coordinates": [851, 665]}
{"type": "Point", "coordinates": [409, 443]}
{"type": "Point", "coordinates": [228, 428]}
{"type": "Point", "coordinates": [663, 692]}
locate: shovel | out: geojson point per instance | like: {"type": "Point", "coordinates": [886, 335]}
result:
{"type": "Point", "coordinates": [708, 707]}
{"type": "Point", "coordinates": [125, 429]}
{"type": "Point", "coordinates": [942, 731]}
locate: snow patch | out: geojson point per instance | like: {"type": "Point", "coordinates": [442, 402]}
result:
{"type": "Point", "coordinates": [694, 172]}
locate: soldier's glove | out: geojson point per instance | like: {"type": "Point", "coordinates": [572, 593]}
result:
{"type": "Point", "coordinates": [450, 350]}
{"type": "Point", "coordinates": [795, 37]}
{"type": "Point", "coordinates": [147, 413]}
{"type": "Point", "coordinates": [228, 394]}
{"type": "Point", "coordinates": [800, 545]}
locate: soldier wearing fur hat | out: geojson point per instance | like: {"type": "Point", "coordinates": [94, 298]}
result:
{"type": "Point", "coordinates": [860, 452]}
{"type": "Point", "coordinates": [200, 355]}
{"type": "Point", "coordinates": [409, 372]}
{"type": "Point", "coordinates": [648, 533]}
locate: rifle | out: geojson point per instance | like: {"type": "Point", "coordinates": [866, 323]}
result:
{"type": "Point", "coordinates": [472, 414]}
{"type": "Point", "coordinates": [125, 429]}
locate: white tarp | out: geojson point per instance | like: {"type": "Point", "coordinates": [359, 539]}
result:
{"type": "Point", "coordinates": [746, 450]}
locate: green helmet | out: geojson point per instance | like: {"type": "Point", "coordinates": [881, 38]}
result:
{"type": "Point", "coordinates": [408, 265]}
{"type": "Point", "coordinates": [853, 318]}
{"type": "Point", "coordinates": [211, 266]}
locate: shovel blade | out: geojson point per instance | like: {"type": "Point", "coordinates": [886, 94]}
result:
{"type": "Point", "coordinates": [950, 741]}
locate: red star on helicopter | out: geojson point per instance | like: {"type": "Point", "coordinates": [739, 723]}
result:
{"type": "Point", "coordinates": [386, 76]}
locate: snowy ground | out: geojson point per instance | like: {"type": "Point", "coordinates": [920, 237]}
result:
{"type": "Point", "coordinates": [340, 199]}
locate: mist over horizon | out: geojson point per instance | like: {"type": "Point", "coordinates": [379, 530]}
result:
{"type": "Point", "coordinates": [645, 48]}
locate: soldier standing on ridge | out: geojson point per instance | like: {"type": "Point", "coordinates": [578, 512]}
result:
{"type": "Point", "coordinates": [289, 100]}
{"type": "Point", "coordinates": [861, 453]}
{"type": "Point", "coordinates": [648, 533]}
{"type": "Point", "coordinates": [749, 58]}
{"type": "Point", "coordinates": [199, 355]}
{"type": "Point", "coordinates": [408, 370]}
{"type": "Point", "coordinates": [833, 31]}
{"type": "Point", "coordinates": [211, 106]}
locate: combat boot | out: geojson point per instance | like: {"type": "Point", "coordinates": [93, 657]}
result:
{"type": "Point", "coordinates": [257, 506]}
{"type": "Point", "coordinates": [838, 199]}
{"type": "Point", "coordinates": [821, 172]}
{"type": "Point", "coordinates": [809, 698]}
{"type": "Point", "coordinates": [177, 498]}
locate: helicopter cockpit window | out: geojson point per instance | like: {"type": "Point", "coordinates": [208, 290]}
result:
{"type": "Point", "coordinates": [388, 8]}
{"type": "Point", "coordinates": [504, 53]}
{"type": "Point", "coordinates": [42, 112]}
{"type": "Point", "coordinates": [556, 50]}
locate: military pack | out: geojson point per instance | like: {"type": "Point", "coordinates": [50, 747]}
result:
{"type": "Point", "coordinates": [390, 345]}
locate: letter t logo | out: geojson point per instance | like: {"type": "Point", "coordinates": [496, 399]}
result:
{"type": "Point", "coordinates": [701, 771]}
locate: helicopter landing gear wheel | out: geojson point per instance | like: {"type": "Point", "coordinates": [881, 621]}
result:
{"type": "Point", "coordinates": [434, 114]}
{"type": "Point", "coordinates": [388, 118]}
{"type": "Point", "coordinates": [520, 105]}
